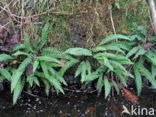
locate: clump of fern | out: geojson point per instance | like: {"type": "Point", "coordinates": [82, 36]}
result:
{"type": "Point", "coordinates": [111, 56]}
{"type": "Point", "coordinates": [142, 53]}
{"type": "Point", "coordinates": [33, 63]}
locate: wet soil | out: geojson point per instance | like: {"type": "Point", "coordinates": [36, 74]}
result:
{"type": "Point", "coordinates": [72, 105]}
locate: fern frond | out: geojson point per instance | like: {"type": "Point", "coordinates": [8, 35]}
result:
{"type": "Point", "coordinates": [27, 42]}
{"type": "Point", "coordinates": [147, 75]}
{"type": "Point", "coordinates": [44, 67]}
{"type": "Point", "coordinates": [107, 87]}
{"type": "Point", "coordinates": [44, 35]}
{"type": "Point", "coordinates": [114, 37]}
{"type": "Point", "coordinates": [32, 79]}
{"type": "Point", "coordinates": [47, 86]}
{"type": "Point", "coordinates": [35, 42]}
{"type": "Point", "coordinates": [4, 57]}
{"type": "Point", "coordinates": [18, 89]}
{"type": "Point", "coordinates": [140, 53]}
{"type": "Point", "coordinates": [57, 85]}
{"type": "Point", "coordinates": [18, 47]}
{"type": "Point", "coordinates": [153, 71]}
{"type": "Point", "coordinates": [99, 83]}
{"type": "Point", "coordinates": [57, 75]}
{"type": "Point", "coordinates": [116, 87]}
{"type": "Point", "coordinates": [20, 53]}
{"type": "Point", "coordinates": [18, 73]}
{"type": "Point", "coordinates": [132, 51]}
{"type": "Point", "coordinates": [48, 59]}
{"type": "Point", "coordinates": [67, 65]}
{"type": "Point", "coordinates": [35, 65]}
{"type": "Point", "coordinates": [5, 74]}
{"type": "Point", "coordinates": [53, 52]}
{"type": "Point", "coordinates": [78, 52]}
{"type": "Point", "coordinates": [138, 79]}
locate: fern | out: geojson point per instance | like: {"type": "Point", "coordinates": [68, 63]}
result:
{"type": "Point", "coordinates": [18, 47]}
{"type": "Point", "coordinates": [21, 53]}
{"type": "Point", "coordinates": [4, 57]}
{"type": "Point", "coordinates": [153, 71]}
{"type": "Point", "coordinates": [67, 65]}
{"type": "Point", "coordinates": [18, 73]}
{"type": "Point", "coordinates": [57, 75]}
{"type": "Point", "coordinates": [48, 59]}
{"type": "Point", "coordinates": [132, 51]}
{"type": "Point", "coordinates": [44, 35]}
{"type": "Point", "coordinates": [27, 42]}
{"type": "Point", "coordinates": [148, 75]}
{"type": "Point", "coordinates": [47, 86]}
{"type": "Point", "coordinates": [116, 87]}
{"type": "Point", "coordinates": [99, 83]}
{"type": "Point", "coordinates": [51, 51]}
{"type": "Point", "coordinates": [18, 89]}
{"type": "Point", "coordinates": [35, 65]}
{"type": "Point", "coordinates": [34, 44]}
{"type": "Point", "coordinates": [138, 79]}
{"type": "Point", "coordinates": [78, 52]}
{"type": "Point", "coordinates": [32, 79]}
{"type": "Point", "coordinates": [114, 37]}
{"type": "Point", "coordinates": [107, 87]}
{"type": "Point", "coordinates": [5, 74]}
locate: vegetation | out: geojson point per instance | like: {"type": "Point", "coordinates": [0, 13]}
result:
{"type": "Point", "coordinates": [76, 40]}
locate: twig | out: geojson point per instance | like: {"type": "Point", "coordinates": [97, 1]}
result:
{"type": "Point", "coordinates": [111, 17]}
{"type": "Point", "coordinates": [48, 11]}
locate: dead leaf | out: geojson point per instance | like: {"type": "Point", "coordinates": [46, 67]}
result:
{"type": "Point", "coordinates": [63, 61]}
{"type": "Point", "coordinates": [38, 40]}
{"type": "Point", "coordinates": [27, 21]}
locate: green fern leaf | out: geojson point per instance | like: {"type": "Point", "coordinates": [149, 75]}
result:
{"type": "Point", "coordinates": [35, 65]}
{"type": "Point", "coordinates": [4, 57]}
{"type": "Point", "coordinates": [116, 87]}
{"type": "Point", "coordinates": [44, 35]}
{"type": "Point", "coordinates": [132, 51]}
{"type": "Point", "coordinates": [18, 47]}
{"type": "Point", "coordinates": [20, 53]}
{"type": "Point", "coordinates": [147, 75]}
{"type": "Point", "coordinates": [122, 44]}
{"type": "Point", "coordinates": [140, 53]}
{"type": "Point", "coordinates": [100, 83]}
{"type": "Point", "coordinates": [5, 74]}
{"type": "Point", "coordinates": [47, 86]}
{"type": "Point", "coordinates": [48, 59]}
{"type": "Point", "coordinates": [18, 89]}
{"type": "Point", "coordinates": [53, 52]}
{"type": "Point", "coordinates": [79, 69]}
{"type": "Point", "coordinates": [120, 76]}
{"type": "Point", "coordinates": [153, 71]}
{"type": "Point", "coordinates": [107, 87]}
{"type": "Point", "coordinates": [151, 56]}
{"type": "Point", "coordinates": [32, 79]}
{"type": "Point", "coordinates": [27, 42]}
{"type": "Point", "coordinates": [44, 67]}
{"type": "Point", "coordinates": [18, 73]}
{"type": "Point", "coordinates": [67, 65]}
{"type": "Point", "coordinates": [35, 42]}
{"type": "Point", "coordinates": [114, 37]}
{"type": "Point", "coordinates": [138, 79]}
{"type": "Point", "coordinates": [57, 75]}
{"type": "Point", "coordinates": [78, 52]}
{"type": "Point", "coordinates": [57, 85]}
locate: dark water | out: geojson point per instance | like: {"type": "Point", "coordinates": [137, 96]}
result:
{"type": "Point", "coordinates": [73, 105]}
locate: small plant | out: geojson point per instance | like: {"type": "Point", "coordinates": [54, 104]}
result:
{"type": "Point", "coordinates": [142, 53]}
{"type": "Point", "coordinates": [110, 54]}
{"type": "Point", "coordinates": [31, 63]}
